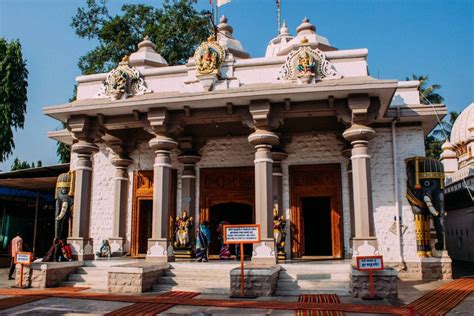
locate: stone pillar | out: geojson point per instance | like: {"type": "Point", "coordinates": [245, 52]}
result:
{"type": "Point", "coordinates": [188, 183]}
{"type": "Point", "coordinates": [159, 247]}
{"type": "Point", "coordinates": [278, 156]}
{"type": "Point", "coordinates": [117, 240]}
{"type": "Point", "coordinates": [277, 173]}
{"type": "Point", "coordinates": [264, 252]}
{"type": "Point", "coordinates": [346, 153]}
{"type": "Point", "coordinates": [81, 244]}
{"type": "Point", "coordinates": [364, 241]}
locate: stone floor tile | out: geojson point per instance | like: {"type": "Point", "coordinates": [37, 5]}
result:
{"type": "Point", "coordinates": [56, 305]}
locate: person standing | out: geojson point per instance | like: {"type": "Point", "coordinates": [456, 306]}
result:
{"type": "Point", "coordinates": [202, 242]}
{"type": "Point", "coordinates": [16, 247]}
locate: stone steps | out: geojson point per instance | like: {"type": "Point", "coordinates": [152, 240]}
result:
{"type": "Point", "coordinates": [206, 290]}
{"type": "Point", "coordinates": [209, 277]}
{"type": "Point", "coordinates": [93, 274]}
{"type": "Point", "coordinates": [93, 286]}
{"type": "Point", "coordinates": [314, 278]}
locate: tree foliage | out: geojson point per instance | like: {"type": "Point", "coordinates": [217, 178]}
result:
{"type": "Point", "coordinates": [443, 130]}
{"type": "Point", "coordinates": [13, 94]}
{"type": "Point", "coordinates": [19, 165]}
{"type": "Point", "coordinates": [428, 93]}
{"type": "Point", "coordinates": [176, 28]}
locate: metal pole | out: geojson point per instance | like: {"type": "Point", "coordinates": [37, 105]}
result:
{"type": "Point", "coordinates": [36, 224]}
{"type": "Point", "coordinates": [242, 269]}
{"type": "Point", "coordinates": [278, 2]}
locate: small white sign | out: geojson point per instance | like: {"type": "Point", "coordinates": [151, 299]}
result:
{"type": "Point", "coordinates": [23, 257]}
{"type": "Point", "coordinates": [242, 234]}
{"type": "Point", "coordinates": [370, 263]}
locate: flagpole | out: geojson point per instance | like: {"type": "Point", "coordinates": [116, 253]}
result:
{"type": "Point", "coordinates": [278, 2]}
{"type": "Point", "coordinates": [215, 20]}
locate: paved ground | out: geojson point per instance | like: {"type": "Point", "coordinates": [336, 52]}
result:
{"type": "Point", "coordinates": [408, 292]}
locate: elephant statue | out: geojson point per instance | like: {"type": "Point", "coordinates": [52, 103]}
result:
{"type": "Point", "coordinates": [425, 183]}
{"type": "Point", "coordinates": [64, 195]}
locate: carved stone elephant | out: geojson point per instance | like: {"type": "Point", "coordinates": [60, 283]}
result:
{"type": "Point", "coordinates": [64, 201]}
{"type": "Point", "coordinates": [425, 183]}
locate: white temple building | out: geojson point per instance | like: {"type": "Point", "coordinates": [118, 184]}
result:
{"type": "Point", "coordinates": [458, 160]}
{"type": "Point", "coordinates": [304, 130]}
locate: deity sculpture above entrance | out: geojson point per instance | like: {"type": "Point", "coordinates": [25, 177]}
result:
{"type": "Point", "coordinates": [425, 181]}
{"type": "Point", "coordinates": [209, 56]}
{"type": "Point", "coordinates": [123, 82]}
{"type": "Point", "coordinates": [306, 64]}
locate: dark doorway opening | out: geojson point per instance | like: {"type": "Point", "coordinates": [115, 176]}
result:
{"type": "Point", "coordinates": [234, 213]}
{"type": "Point", "coordinates": [317, 226]}
{"type": "Point", "coordinates": [145, 216]}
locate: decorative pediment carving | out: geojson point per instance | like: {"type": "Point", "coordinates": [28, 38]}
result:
{"type": "Point", "coordinates": [123, 82]}
{"type": "Point", "coordinates": [307, 65]}
{"type": "Point", "coordinates": [209, 57]}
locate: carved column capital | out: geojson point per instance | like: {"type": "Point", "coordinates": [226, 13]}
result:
{"type": "Point", "coordinates": [85, 128]}
{"type": "Point", "coordinates": [278, 156]}
{"type": "Point", "coordinates": [84, 148]}
{"type": "Point", "coordinates": [358, 133]}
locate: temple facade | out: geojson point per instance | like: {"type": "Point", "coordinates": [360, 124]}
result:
{"type": "Point", "coordinates": [303, 132]}
{"type": "Point", "coordinates": [458, 161]}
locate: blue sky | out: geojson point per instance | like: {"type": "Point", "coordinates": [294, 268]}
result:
{"type": "Point", "coordinates": [430, 37]}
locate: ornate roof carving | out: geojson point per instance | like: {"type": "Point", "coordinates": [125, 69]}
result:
{"type": "Point", "coordinates": [307, 65]}
{"type": "Point", "coordinates": [123, 82]}
{"type": "Point", "coordinates": [209, 57]}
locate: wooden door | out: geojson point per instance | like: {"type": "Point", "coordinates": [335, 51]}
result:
{"type": "Point", "coordinates": [222, 185]}
{"type": "Point", "coordinates": [309, 181]}
{"type": "Point", "coordinates": [141, 217]}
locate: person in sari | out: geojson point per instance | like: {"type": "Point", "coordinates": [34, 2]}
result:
{"type": "Point", "coordinates": [202, 242]}
{"type": "Point", "coordinates": [224, 253]}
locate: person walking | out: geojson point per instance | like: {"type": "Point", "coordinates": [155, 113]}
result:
{"type": "Point", "coordinates": [202, 242]}
{"type": "Point", "coordinates": [16, 247]}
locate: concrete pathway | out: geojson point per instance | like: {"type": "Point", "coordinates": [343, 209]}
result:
{"type": "Point", "coordinates": [408, 292]}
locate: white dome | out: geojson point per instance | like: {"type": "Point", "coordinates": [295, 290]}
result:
{"type": "Point", "coordinates": [463, 128]}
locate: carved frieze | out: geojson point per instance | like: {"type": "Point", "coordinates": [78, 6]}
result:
{"type": "Point", "coordinates": [307, 65]}
{"type": "Point", "coordinates": [123, 82]}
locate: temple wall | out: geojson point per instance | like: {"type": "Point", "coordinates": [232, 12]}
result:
{"type": "Point", "coordinates": [317, 148]}
{"type": "Point", "coordinates": [409, 143]}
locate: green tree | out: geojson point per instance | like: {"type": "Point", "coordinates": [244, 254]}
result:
{"type": "Point", "coordinates": [433, 147]}
{"type": "Point", "coordinates": [13, 94]}
{"type": "Point", "coordinates": [169, 27]}
{"type": "Point", "coordinates": [20, 165]}
{"type": "Point", "coordinates": [427, 92]}
{"type": "Point", "coordinates": [176, 28]}
{"type": "Point", "coordinates": [443, 130]}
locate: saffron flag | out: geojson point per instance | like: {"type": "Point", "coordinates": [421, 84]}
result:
{"type": "Point", "coordinates": [222, 2]}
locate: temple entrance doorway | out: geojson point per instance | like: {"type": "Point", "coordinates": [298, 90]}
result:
{"type": "Point", "coordinates": [316, 211]}
{"type": "Point", "coordinates": [226, 194]}
{"type": "Point", "coordinates": [142, 210]}
{"type": "Point", "coordinates": [232, 213]}
{"type": "Point", "coordinates": [145, 217]}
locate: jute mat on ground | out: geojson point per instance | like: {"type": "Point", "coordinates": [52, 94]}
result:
{"type": "Point", "coordinates": [443, 299]}
{"type": "Point", "coordinates": [227, 303]}
{"type": "Point", "coordinates": [151, 308]}
{"type": "Point", "coordinates": [319, 298]}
